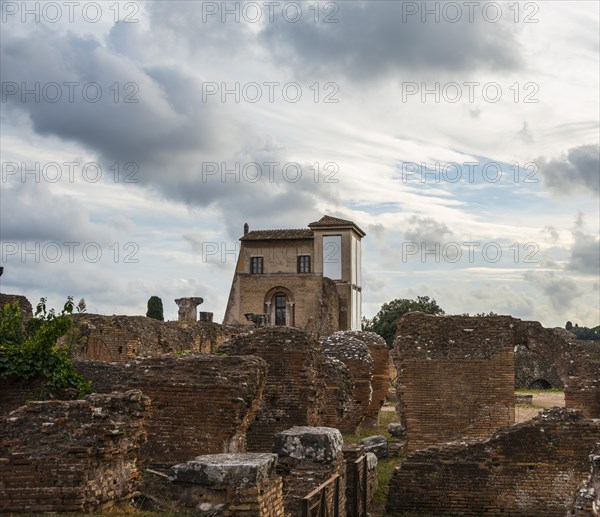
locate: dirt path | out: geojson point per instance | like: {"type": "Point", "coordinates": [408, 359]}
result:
{"type": "Point", "coordinates": [541, 400]}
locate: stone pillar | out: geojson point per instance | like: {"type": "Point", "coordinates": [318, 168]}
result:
{"type": "Point", "coordinates": [229, 484]}
{"type": "Point", "coordinates": [308, 457]}
{"type": "Point", "coordinates": [205, 316]}
{"type": "Point", "coordinates": [187, 308]}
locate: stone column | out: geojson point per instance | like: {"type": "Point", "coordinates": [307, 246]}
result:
{"type": "Point", "coordinates": [187, 308]}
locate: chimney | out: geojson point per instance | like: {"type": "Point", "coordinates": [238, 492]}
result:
{"type": "Point", "coordinates": [246, 228]}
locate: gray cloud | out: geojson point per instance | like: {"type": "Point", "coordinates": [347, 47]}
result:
{"type": "Point", "coordinates": [561, 291]}
{"type": "Point", "coordinates": [585, 254]}
{"type": "Point", "coordinates": [577, 170]}
{"type": "Point", "coordinates": [426, 230]}
{"type": "Point", "coordinates": [371, 40]}
{"type": "Point", "coordinates": [169, 133]}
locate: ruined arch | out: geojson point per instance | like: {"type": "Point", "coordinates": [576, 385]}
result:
{"type": "Point", "coordinates": [280, 306]}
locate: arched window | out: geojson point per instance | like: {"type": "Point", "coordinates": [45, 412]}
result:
{"type": "Point", "coordinates": [279, 305]}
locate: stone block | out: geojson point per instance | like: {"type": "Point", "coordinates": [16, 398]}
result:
{"type": "Point", "coordinates": [226, 470]}
{"type": "Point", "coordinates": [377, 445]}
{"type": "Point", "coordinates": [318, 444]}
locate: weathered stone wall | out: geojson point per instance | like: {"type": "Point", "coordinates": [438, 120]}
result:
{"type": "Point", "coordinates": [72, 456]}
{"type": "Point", "coordinates": [295, 388]}
{"type": "Point", "coordinates": [244, 485]}
{"type": "Point", "coordinates": [587, 498]}
{"type": "Point", "coordinates": [200, 404]}
{"type": "Point", "coordinates": [354, 353]}
{"type": "Point", "coordinates": [380, 378]}
{"type": "Point", "coordinates": [120, 338]}
{"type": "Point", "coordinates": [534, 371]}
{"type": "Point", "coordinates": [339, 398]}
{"type": "Point", "coordinates": [530, 469]}
{"type": "Point", "coordinates": [577, 361]}
{"type": "Point", "coordinates": [308, 457]}
{"type": "Point", "coordinates": [26, 310]}
{"type": "Point", "coordinates": [455, 376]}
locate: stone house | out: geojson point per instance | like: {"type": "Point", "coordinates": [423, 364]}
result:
{"type": "Point", "coordinates": [308, 278]}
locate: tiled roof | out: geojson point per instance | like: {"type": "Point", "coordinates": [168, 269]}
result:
{"type": "Point", "coordinates": [262, 235]}
{"type": "Point", "coordinates": [329, 221]}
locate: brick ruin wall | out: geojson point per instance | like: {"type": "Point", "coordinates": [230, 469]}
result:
{"type": "Point", "coordinates": [455, 377]}
{"type": "Point", "coordinates": [295, 388]}
{"type": "Point", "coordinates": [352, 453]}
{"type": "Point", "coordinates": [72, 456]}
{"type": "Point", "coordinates": [587, 499]}
{"type": "Point", "coordinates": [16, 392]}
{"type": "Point", "coordinates": [121, 338]}
{"type": "Point", "coordinates": [339, 398]}
{"type": "Point", "coordinates": [577, 361]}
{"type": "Point", "coordinates": [200, 404]}
{"type": "Point", "coordinates": [380, 377]}
{"type": "Point", "coordinates": [530, 469]}
{"type": "Point", "coordinates": [24, 304]}
{"type": "Point", "coordinates": [355, 354]}
{"type": "Point", "coordinates": [534, 371]}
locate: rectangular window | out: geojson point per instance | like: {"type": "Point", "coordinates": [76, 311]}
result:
{"type": "Point", "coordinates": [332, 256]}
{"type": "Point", "coordinates": [256, 265]}
{"type": "Point", "coordinates": [304, 264]}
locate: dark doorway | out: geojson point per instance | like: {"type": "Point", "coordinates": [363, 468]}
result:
{"type": "Point", "coordinates": [280, 306]}
{"type": "Point", "coordinates": [540, 384]}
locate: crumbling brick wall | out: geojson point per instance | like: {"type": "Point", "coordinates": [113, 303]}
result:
{"type": "Point", "coordinates": [530, 469]}
{"type": "Point", "coordinates": [534, 371]}
{"type": "Point", "coordinates": [354, 353]}
{"type": "Point", "coordinates": [352, 454]}
{"type": "Point", "coordinates": [295, 388]}
{"type": "Point", "coordinates": [120, 338]}
{"type": "Point", "coordinates": [455, 376]}
{"type": "Point", "coordinates": [339, 398]}
{"type": "Point", "coordinates": [24, 305]}
{"type": "Point", "coordinates": [577, 361]}
{"type": "Point", "coordinates": [16, 392]}
{"type": "Point", "coordinates": [200, 404]}
{"type": "Point", "coordinates": [587, 498]}
{"type": "Point", "coordinates": [70, 456]}
{"type": "Point", "coordinates": [380, 377]}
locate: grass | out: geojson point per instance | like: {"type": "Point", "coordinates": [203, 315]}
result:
{"type": "Point", "coordinates": [385, 466]}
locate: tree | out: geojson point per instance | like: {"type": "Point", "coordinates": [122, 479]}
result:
{"type": "Point", "coordinates": [30, 349]}
{"type": "Point", "coordinates": [155, 309]}
{"type": "Point", "coordinates": [385, 321]}
{"type": "Point", "coordinates": [568, 325]}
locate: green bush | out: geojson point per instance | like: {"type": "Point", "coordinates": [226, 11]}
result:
{"type": "Point", "coordinates": [29, 349]}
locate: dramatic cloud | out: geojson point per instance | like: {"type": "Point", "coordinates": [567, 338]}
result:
{"type": "Point", "coordinates": [577, 170]}
{"type": "Point", "coordinates": [379, 38]}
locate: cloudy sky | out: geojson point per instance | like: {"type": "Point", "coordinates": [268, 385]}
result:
{"type": "Point", "coordinates": [138, 137]}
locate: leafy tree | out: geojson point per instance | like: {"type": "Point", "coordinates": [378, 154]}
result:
{"type": "Point", "coordinates": [29, 349]}
{"type": "Point", "coordinates": [81, 306]}
{"type": "Point", "coordinates": [385, 321]}
{"type": "Point", "coordinates": [155, 308]}
{"type": "Point", "coordinates": [568, 325]}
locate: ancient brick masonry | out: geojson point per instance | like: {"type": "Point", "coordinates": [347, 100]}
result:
{"type": "Point", "coordinates": [16, 392]}
{"type": "Point", "coordinates": [308, 457]}
{"type": "Point", "coordinates": [244, 485]}
{"type": "Point", "coordinates": [121, 338]}
{"type": "Point", "coordinates": [77, 455]}
{"type": "Point", "coordinates": [380, 378]}
{"type": "Point", "coordinates": [354, 353]}
{"type": "Point", "coordinates": [530, 469]}
{"type": "Point", "coordinates": [295, 389]}
{"type": "Point", "coordinates": [200, 404]}
{"type": "Point", "coordinates": [455, 376]}
{"type": "Point", "coordinates": [339, 398]}
{"type": "Point", "coordinates": [587, 498]}
{"type": "Point", "coordinates": [534, 371]}
{"type": "Point", "coordinates": [352, 453]}
{"type": "Point", "coordinates": [577, 362]}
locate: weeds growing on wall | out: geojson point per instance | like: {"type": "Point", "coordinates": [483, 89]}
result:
{"type": "Point", "coordinates": [29, 349]}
